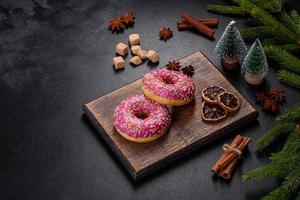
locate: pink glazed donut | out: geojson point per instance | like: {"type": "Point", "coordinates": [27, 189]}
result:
{"type": "Point", "coordinates": [168, 87]}
{"type": "Point", "coordinates": [140, 119]}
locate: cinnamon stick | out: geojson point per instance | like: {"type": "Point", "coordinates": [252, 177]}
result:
{"type": "Point", "coordinates": [184, 25]}
{"type": "Point", "coordinates": [227, 162]}
{"type": "Point", "coordinates": [232, 155]}
{"type": "Point", "coordinates": [199, 26]}
{"type": "Point", "coordinates": [217, 167]}
{"type": "Point", "coordinates": [227, 171]}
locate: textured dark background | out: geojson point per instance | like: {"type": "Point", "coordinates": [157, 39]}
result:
{"type": "Point", "coordinates": [57, 55]}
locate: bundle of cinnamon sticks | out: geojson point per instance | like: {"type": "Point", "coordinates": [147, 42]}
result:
{"type": "Point", "coordinates": [232, 153]}
{"type": "Point", "coordinates": [201, 25]}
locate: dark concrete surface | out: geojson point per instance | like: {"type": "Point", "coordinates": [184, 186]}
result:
{"type": "Point", "coordinates": [57, 55]}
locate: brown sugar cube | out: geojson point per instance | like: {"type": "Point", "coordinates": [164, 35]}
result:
{"type": "Point", "coordinates": [135, 48]}
{"type": "Point", "coordinates": [119, 62]}
{"type": "Point", "coordinates": [135, 60]}
{"type": "Point", "coordinates": [142, 54]}
{"type": "Point", "coordinates": [122, 49]}
{"type": "Point", "coordinates": [153, 56]}
{"type": "Point", "coordinates": [134, 39]}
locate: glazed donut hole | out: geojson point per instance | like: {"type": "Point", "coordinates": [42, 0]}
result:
{"type": "Point", "coordinates": [170, 80]}
{"type": "Point", "coordinates": [140, 112]}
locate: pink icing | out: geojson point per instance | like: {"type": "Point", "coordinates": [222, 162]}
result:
{"type": "Point", "coordinates": [139, 117]}
{"type": "Point", "coordinates": [169, 84]}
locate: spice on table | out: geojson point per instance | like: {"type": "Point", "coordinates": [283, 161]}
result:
{"type": "Point", "coordinates": [225, 166]}
{"type": "Point", "coordinates": [185, 25]}
{"type": "Point", "coordinates": [188, 70]}
{"type": "Point", "coordinates": [128, 19]}
{"type": "Point", "coordinates": [165, 33]}
{"type": "Point", "coordinates": [271, 100]}
{"type": "Point", "coordinates": [173, 65]}
{"type": "Point", "coordinates": [277, 94]}
{"type": "Point", "coordinates": [116, 25]}
{"type": "Point", "coordinates": [199, 26]}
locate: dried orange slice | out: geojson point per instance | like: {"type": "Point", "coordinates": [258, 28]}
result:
{"type": "Point", "coordinates": [228, 101]}
{"type": "Point", "coordinates": [210, 94]}
{"type": "Point", "coordinates": [212, 112]}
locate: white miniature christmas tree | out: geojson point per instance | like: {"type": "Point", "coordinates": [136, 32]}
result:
{"type": "Point", "coordinates": [231, 47]}
{"type": "Point", "coordinates": [255, 65]}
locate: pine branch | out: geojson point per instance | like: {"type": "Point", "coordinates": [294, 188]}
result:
{"type": "Point", "coordinates": [227, 10]}
{"type": "Point", "coordinates": [285, 164]}
{"type": "Point", "coordinates": [295, 16]}
{"type": "Point", "coordinates": [292, 144]}
{"type": "Point", "coordinates": [285, 156]}
{"type": "Point", "coordinates": [284, 34]}
{"type": "Point", "coordinates": [256, 32]}
{"type": "Point", "coordinates": [289, 23]}
{"type": "Point", "coordinates": [272, 135]}
{"type": "Point", "coordinates": [273, 41]}
{"type": "Point", "coordinates": [290, 109]}
{"type": "Point", "coordinates": [289, 186]}
{"type": "Point", "coordinates": [291, 116]}
{"type": "Point", "coordinates": [264, 172]}
{"type": "Point", "coordinates": [267, 19]}
{"type": "Point", "coordinates": [289, 78]}
{"type": "Point", "coordinates": [284, 58]}
{"type": "Point", "coordinates": [272, 6]}
{"type": "Point", "coordinates": [289, 47]}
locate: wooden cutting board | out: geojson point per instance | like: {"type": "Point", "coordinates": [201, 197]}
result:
{"type": "Point", "coordinates": [187, 131]}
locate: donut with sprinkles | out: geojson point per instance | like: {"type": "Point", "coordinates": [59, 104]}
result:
{"type": "Point", "coordinates": [168, 87]}
{"type": "Point", "coordinates": [140, 119]}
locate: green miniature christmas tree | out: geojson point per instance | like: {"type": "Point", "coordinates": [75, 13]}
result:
{"type": "Point", "coordinates": [255, 64]}
{"type": "Point", "coordinates": [278, 29]}
{"type": "Point", "coordinates": [285, 164]}
{"type": "Point", "coordinates": [231, 47]}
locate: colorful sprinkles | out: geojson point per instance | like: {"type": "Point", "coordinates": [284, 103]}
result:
{"type": "Point", "coordinates": [139, 117]}
{"type": "Point", "coordinates": [169, 84]}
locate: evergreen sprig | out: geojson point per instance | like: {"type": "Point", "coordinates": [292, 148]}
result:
{"type": "Point", "coordinates": [252, 33]}
{"type": "Point", "coordinates": [289, 22]}
{"type": "Point", "coordinates": [282, 38]}
{"type": "Point", "coordinates": [228, 10]}
{"type": "Point", "coordinates": [285, 59]}
{"type": "Point", "coordinates": [289, 78]}
{"type": "Point", "coordinates": [285, 164]}
{"type": "Point", "coordinates": [265, 172]}
{"type": "Point", "coordinates": [289, 47]}
{"type": "Point", "coordinates": [291, 116]}
{"type": "Point", "coordinates": [273, 134]}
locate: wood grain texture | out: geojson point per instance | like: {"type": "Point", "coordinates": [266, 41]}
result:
{"type": "Point", "coordinates": [187, 131]}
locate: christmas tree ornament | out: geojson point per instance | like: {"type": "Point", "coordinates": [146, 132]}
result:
{"type": "Point", "coordinates": [278, 28]}
{"type": "Point", "coordinates": [231, 47]}
{"type": "Point", "coordinates": [255, 65]}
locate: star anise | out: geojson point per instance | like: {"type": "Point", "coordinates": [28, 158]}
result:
{"type": "Point", "coordinates": [260, 97]}
{"type": "Point", "coordinates": [128, 19]}
{"type": "Point", "coordinates": [277, 94]}
{"type": "Point", "coordinates": [165, 33]}
{"type": "Point", "coordinates": [116, 25]}
{"type": "Point", "coordinates": [270, 101]}
{"type": "Point", "coordinates": [271, 106]}
{"type": "Point", "coordinates": [188, 70]}
{"type": "Point", "coordinates": [173, 65]}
